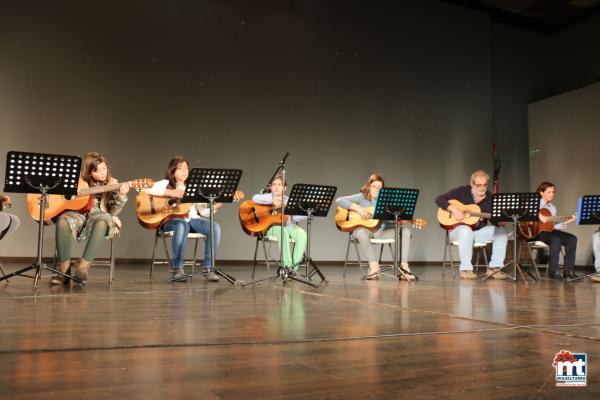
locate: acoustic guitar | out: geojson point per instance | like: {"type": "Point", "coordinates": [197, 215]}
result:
{"type": "Point", "coordinates": [472, 213]}
{"type": "Point", "coordinates": [153, 211]}
{"type": "Point", "coordinates": [349, 220]}
{"type": "Point", "coordinates": [530, 229]}
{"type": "Point", "coordinates": [57, 204]}
{"type": "Point", "coordinates": [256, 219]}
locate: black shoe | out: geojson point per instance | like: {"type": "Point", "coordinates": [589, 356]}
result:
{"type": "Point", "coordinates": [570, 275]}
{"type": "Point", "coordinates": [554, 275]}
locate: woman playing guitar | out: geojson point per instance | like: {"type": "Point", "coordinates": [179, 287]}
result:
{"type": "Point", "coordinates": [196, 220]}
{"type": "Point", "coordinates": [557, 237]}
{"type": "Point", "coordinates": [357, 203]}
{"type": "Point", "coordinates": [291, 230]}
{"type": "Point", "coordinates": [92, 224]}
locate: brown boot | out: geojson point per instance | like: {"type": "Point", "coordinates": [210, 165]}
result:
{"type": "Point", "coordinates": [57, 279]}
{"type": "Point", "coordinates": [83, 270]}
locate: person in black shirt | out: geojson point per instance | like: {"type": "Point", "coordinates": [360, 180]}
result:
{"type": "Point", "coordinates": [475, 193]}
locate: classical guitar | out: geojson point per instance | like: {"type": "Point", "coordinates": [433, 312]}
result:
{"type": "Point", "coordinates": [472, 213]}
{"type": "Point", "coordinates": [82, 202]}
{"type": "Point", "coordinates": [153, 211]}
{"type": "Point", "coordinates": [530, 229]}
{"type": "Point", "coordinates": [257, 218]}
{"type": "Point", "coordinates": [349, 220]}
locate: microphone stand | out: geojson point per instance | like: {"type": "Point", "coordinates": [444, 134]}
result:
{"type": "Point", "coordinates": [281, 165]}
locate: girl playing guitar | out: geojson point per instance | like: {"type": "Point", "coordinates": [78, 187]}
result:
{"type": "Point", "coordinates": [557, 237]}
{"type": "Point", "coordinates": [366, 198]}
{"type": "Point", "coordinates": [92, 225]}
{"type": "Point", "coordinates": [291, 230]}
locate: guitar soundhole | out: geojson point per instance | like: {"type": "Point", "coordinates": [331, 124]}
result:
{"type": "Point", "coordinates": [255, 215]}
{"type": "Point", "coordinates": [172, 202]}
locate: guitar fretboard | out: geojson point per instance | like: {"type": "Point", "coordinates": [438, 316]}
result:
{"type": "Point", "coordinates": [479, 214]}
{"type": "Point", "coordinates": [101, 189]}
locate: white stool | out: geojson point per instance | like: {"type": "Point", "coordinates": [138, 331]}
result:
{"type": "Point", "coordinates": [167, 260]}
{"type": "Point", "coordinates": [478, 247]}
{"type": "Point", "coordinates": [359, 262]}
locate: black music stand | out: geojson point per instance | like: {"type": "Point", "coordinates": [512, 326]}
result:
{"type": "Point", "coordinates": [45, 174]}
{"type": "Point", "coordinates": [588, 213]}
{"type": "Point", "coordinates": [312, 201]}
{"type": "Point", "coordinates": [212, 185]}
{"type": "Point", "coordinates": [395, 204]}
{"type": "Point", "coordinates": [515, 207]}
{"type": "Point", "coordinates": [309, 200]}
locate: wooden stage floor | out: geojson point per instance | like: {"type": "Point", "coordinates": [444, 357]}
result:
{"type": "Point", "coordinates": [433, 339]}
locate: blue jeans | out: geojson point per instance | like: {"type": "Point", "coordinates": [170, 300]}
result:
{"type": "Point", "coordinates": [181, 228]}
{"type": "Point", "coordinates": [467, 236]}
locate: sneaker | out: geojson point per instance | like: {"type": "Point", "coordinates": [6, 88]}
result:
{"type": "Point", "coordinates": [595, 278]}
{"type": "Point", "coordinates": [467, 275]}
{"type": "Point", "coordinates": [555, 275]}
{"type": "Point", "coordinates": [570, 275]}
{"type": "Point", "coordinates": [212, 277]}
{"type": "Point", "coordinates": [179, 275]}
{"type": "Point", "coordinates": [499, 275]}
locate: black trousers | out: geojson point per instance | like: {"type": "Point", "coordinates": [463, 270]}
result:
{"type": "Point", "coordinates": [556, 239]}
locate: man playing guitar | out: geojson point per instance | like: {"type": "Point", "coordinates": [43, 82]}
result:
{"type": "Point", "coordinates": [475, 193]}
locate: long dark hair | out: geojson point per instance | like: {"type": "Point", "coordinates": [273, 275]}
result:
{"type": "Point", "coordinates": [89, 165]}
{"type": "Point", "coordinates": [170, 172]}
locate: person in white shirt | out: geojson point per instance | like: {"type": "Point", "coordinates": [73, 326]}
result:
{"type": "Point", "coordinates": [196, 221]}
{"type": "Point", "coordinates": [558, 237]}
{"type": "Point", "coordinates": [291, 231]}
{"type": "Point", "coordinates": [596, 248]}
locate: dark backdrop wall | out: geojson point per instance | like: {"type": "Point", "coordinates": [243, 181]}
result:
{"type": "Point", "coordinates": [347, 87]}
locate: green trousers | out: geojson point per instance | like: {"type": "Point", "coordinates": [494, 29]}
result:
{"type": "Point", "coordinates": [295, 233]}
{"type": "Point", "coordinates": [64, 238]}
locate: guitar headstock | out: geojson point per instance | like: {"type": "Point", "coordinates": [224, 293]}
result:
{"type": "Point", "coordinates": [419, 223]}
{"type": "Point", "coordinates": [143, 183]}
{"type": "Point", "coordinates": [239, 195]}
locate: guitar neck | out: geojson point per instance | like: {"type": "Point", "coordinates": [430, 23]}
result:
{"type": "Point", "coordinates": [561, 218]}
{"type": "Point", "coordinates": [479, 214]}
{"type": "Point", "coordinates": [101, 189]}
